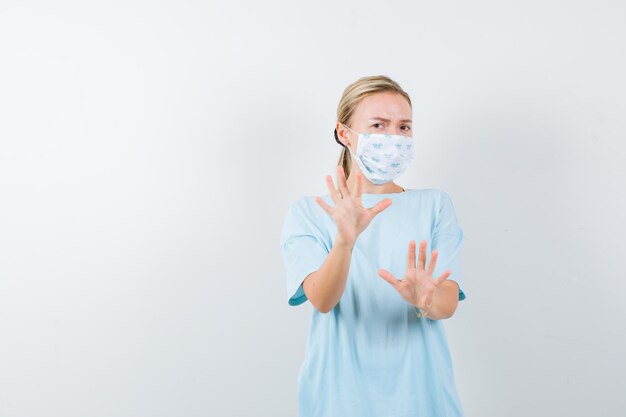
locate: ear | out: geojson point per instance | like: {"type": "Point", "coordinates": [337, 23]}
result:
{"type": "Point", "coordinates": [342, 134]}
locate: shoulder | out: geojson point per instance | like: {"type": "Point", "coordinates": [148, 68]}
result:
{"type": "Point", "coordinates": [306, 205]}
{"type": "Point", "coordinates": [434, 202]}
{"type": "Point", "coordinates": [306, 209]}
{"type": "Point", "coordinates": [305, 217]}
{"type": "Point", "coordinates": [435, 196]}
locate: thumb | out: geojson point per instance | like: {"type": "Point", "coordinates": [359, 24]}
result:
{"type": "Point", "coordinates": [387, 276]}
{"type": "Point", "coordinates": [380, 206]}
{"type": "Point", "coordinates": [443, 277]}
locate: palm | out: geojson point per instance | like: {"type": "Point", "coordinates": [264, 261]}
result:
{"type": "Point", "coordinates": [351, 217]}
{"type": "Point", "coordinates": [418, 286]}
{"type": "Point", "coordinates": [348, 213]}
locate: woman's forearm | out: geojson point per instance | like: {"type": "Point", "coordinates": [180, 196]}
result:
{"type": "Point", "coordinates": [325, 286]}
{"type": "Point", "coordinates": [445, 301]}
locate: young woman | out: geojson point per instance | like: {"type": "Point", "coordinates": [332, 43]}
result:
{"type": "Point", "coordinates": [376, 344]}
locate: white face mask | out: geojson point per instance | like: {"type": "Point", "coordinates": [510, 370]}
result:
{"type": "Point", "coordinates": [381, 157]}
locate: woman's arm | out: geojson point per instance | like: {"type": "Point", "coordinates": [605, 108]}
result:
{"type": "Point", "coordinates": [325, 286]}
{"type": "Point", "coordinates": [445, 301]}
{"type": "Point", "coordinates": [437, 297]}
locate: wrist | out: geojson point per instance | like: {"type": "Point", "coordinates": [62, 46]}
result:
{"type": "Point", "coordinates": [427, 310]}
{"type": "Point", "coordinates": [342, 243]}
{"type": "Point", "coordinates": [420, 313]}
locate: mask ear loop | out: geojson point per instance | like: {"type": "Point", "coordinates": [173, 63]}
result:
{"type": "Point", "coordinates": [345, 146]}
{"type": "Point", "coordinates": [337, 139]}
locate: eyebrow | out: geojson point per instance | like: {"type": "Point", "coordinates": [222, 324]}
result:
{"type": "Point", "coordinates": [382, 119]}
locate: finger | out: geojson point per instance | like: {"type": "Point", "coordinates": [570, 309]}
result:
{"type": "Point", "coordinates": [410, 259]}
{"type": "Point", "coordinates": [387, 276]}
{"type": "Point", "coordinates": [433, 261]}
{"type": "Point", "coordinates": [334, 194]}
{"type": "Point", "coordinates": [359, 185]}
{"type": "Point", "coordinates": [421, 259]}
{"type": "Point", "coordinates": [441, 278]}
{"type": "Point", "coordinates": [341, 181]}
{"type": "Point", "coordinates": [380, 206]}
{"type": "Point", "coordinates": [323, 204]}
{"type": "Point", "coordinates": [427, 301]}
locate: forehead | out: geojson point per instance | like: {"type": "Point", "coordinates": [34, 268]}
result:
{"type": "Point", "coordinates": [388, 105]}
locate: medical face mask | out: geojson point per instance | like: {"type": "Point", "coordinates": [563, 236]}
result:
{"type": "Point", "coordinates": [381, 157]}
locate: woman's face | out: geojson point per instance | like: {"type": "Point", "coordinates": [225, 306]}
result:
{"type": "Point", "coordinates": [387, 112]}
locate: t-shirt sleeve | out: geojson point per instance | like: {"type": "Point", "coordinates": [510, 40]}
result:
{"type": "Point", "coordinates": [448, 239]}
{"type": "Point", "coordinates": [303, 251]}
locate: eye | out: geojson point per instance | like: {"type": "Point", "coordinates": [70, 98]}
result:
{"type": "Point", "coordinates": [406, 128]}
{"type": "Point", "coordinates": [377, 125]}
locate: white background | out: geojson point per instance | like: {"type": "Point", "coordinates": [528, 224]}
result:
{"type": "Point", "coordinates": [149, 152]}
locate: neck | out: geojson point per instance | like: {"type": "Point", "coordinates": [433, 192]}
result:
{"type": "Point", "coordinates": [371, 188]}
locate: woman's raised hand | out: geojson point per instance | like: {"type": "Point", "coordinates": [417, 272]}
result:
{"type": "Point", "coordinates": [418, 286]}
{"type": "Point", "coordinates": [348, 213]}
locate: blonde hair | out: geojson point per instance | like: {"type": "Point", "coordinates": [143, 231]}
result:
{"type": "Point", "coordinates": [352, 96]}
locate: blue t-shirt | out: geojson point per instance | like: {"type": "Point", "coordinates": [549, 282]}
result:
{"type": "Point", "coordinates": [370, 355]}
